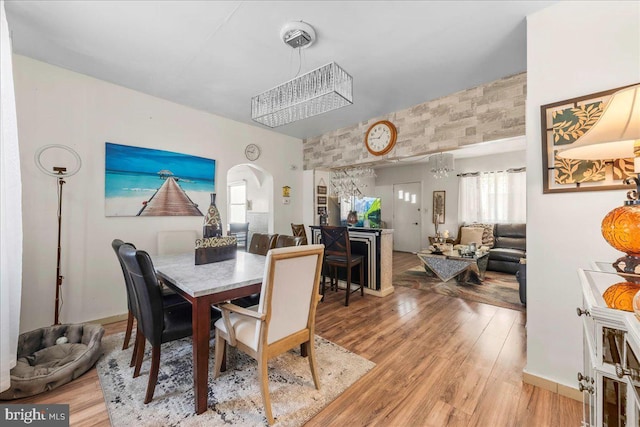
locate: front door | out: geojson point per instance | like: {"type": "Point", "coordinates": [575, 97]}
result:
{"type": "Point", "coordinates": [407, 227]}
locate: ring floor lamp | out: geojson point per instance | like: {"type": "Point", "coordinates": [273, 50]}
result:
{"type": "Point", "coordinates": [59, 172]}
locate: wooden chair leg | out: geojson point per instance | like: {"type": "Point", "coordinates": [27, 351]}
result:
{"type": "Point", "coordinates": [219, 357]}
{"type": "Point", "coordinates": [303, 350]}
{"type": "Point", "coordinates": [153, 373]}
{"type": "Point", "coordinates": [135, 348]}
{"type": "Point", "coordinates": [264, 387]}
{"type": "Point", "coordinates": [310, 346]}
{"type": "Point", "coordinates": [334, 278]}
{"type": "Point", "coordinates": [127, 333]}
{"type": "Point", "coordinates": [223, 368]}
{"type": "Point", "coordinates": [361, 279]}
{"type": "Point", "coordinates": [140, 342]}
{"type": "Point", "coordinates": [348, 286]}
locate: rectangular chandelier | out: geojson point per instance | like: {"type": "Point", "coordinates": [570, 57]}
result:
{"type": "Point", "coordinates": [318, 91]}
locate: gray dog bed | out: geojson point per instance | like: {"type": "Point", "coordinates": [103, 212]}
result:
{"type": "Point", "coordinates": [44, 365]}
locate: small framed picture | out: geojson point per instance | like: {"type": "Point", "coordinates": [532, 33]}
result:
{"type": "Point", "coordinates": [322, 189]}
{"type": "Point", "coordinates": [322, 210]}
{"type": "Point", "coordinates": [322, 200]}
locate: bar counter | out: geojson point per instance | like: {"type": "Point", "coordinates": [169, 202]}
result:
{"type": "Point", "coordinates": [376, 244]}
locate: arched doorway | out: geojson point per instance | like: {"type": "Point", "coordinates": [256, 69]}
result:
{"type": "Point", "coordinates": [250, 198]}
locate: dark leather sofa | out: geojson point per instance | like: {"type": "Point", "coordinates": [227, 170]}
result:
{"type": "Point", "coordinates": [510, 245]}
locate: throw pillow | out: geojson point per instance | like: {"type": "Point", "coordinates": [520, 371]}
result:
{"type": "Point", "coordinates": [487, 233]}
{"type": "Point", "coordinates": [471, 235]}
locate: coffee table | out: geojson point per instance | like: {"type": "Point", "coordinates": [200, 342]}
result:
{"type": "Point", "coordinates": [447, 265]}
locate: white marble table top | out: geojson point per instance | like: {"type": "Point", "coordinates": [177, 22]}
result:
{"type": "Point", "coordinates": [197, 280]}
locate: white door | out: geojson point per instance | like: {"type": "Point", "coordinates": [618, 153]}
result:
{"type": "Point", "coordinates": [407, 227]}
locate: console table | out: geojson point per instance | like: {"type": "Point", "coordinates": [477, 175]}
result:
{"type": "Point", "coordinates": [376, 244]}
{"type": "Point", "coordinates": [610, 381]}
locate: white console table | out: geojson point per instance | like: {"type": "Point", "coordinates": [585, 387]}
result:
{"type": "Point", "coordinates": [610, 381]}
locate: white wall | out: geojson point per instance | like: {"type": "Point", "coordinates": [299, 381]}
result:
{"type": "Point", "coordinates": [388, 176]}
{"type": "Point", "coordinates": [493, 162]}
{"type": "Point", "coordinates": [573, 49]}
{"type": "Point", "coordinates": [56, 106]}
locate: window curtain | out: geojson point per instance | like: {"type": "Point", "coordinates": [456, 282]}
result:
{"type": "Point", "coordinates": [10, 212]}
{"type": "Point", "coordinates": [493, 197]}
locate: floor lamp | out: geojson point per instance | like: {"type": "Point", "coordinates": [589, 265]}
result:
{"type": "Point", "coordinates": [60, 173]}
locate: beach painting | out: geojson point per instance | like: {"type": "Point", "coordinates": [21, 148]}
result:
{"type": "Point", "coordinates": [147, 182]}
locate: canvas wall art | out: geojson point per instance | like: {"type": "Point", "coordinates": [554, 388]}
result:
{"type": "Point", "coordinates": [439, 205]}
{"type": "Point", "coordinates": [562, 124]}
{"type": "Point", "coordinates": [147, 182]}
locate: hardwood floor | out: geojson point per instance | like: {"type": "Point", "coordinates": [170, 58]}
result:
{"type": "Point", "coordinates": [440, 361]}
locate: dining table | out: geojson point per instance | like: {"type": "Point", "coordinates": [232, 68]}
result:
{"type": "Point", "coordinates": [203, 285]}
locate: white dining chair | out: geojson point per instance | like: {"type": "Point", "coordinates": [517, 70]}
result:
{"type": "Point", "coordinates": [284, 318]}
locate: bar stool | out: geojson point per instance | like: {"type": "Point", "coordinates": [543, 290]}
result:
{"type": "Point", "coordinates": [337, 254]}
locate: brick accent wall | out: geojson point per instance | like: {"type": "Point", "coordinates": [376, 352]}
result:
{"type": "Point", "coordinates": [485, 113]}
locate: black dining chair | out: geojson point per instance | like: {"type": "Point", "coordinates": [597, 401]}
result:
{"type": "Point", "coordinates": [337, 254]}
{"type": "Point", "coordinates": [241, 231]}
{"type": "Point", "coordinates": [169, 299]}
{"type": "Point", "coordinates": [156, 324]}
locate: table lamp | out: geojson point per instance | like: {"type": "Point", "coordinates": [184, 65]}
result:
{"type": "Point", "coordinates": [616, 135]}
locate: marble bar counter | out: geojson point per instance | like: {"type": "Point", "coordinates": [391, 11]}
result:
{"type": "Point", "coordinates": [376, 244]}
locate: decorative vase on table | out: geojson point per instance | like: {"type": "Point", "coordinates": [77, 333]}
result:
{"type": "Point", "coordinates": [212, 222]}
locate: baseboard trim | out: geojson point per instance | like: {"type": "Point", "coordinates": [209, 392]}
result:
{"type": "Point", "coordinates": [562, 390]}
{"type": "Point", "coordinates": [342, 284]}
{"type": "Point", "coordinates": [110, 319]}
{"type": "Point", "coordinates": [379, 292]}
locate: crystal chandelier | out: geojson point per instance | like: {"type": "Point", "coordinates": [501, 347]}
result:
{"type": "Point", "coordinates": [347, 184]}
{"type": "Point", "coordinates": [318, 91]}
{"type": "Point", "coordinates": [440, 165]}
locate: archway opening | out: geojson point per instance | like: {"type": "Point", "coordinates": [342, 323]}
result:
{"type": "Point", "coordinates": [250, 198]}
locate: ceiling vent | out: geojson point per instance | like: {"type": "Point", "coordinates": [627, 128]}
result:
{"type": "Point", "coordinates": [298, 34]}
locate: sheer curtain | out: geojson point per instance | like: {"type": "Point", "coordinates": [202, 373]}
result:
{"type": "Point", "coordinates": [492, 197]}
{"type": "Point", "coordinates": [10, 212]}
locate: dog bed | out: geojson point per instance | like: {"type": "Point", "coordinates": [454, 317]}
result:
{"type": "Point", "coordinates": [43, 365]}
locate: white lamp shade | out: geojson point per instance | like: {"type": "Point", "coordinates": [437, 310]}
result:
{"type": "Point", "coordinates": [614, 134]}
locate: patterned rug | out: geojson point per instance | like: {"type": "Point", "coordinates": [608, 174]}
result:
{"type": "Point", "coordinates": [234, 398]}
{"type": "Point", "coordinates": [499, 289]}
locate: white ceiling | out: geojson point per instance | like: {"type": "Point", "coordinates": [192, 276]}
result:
{"type": "Point", "coordinates": [216, 55]}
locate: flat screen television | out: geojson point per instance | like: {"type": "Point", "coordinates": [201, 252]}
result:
{"type": "Point", "coordinates": [367, 208]}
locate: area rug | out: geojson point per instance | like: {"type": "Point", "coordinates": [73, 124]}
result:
{"type": "Point", "coordinates": [234, 398]}
{"type": "Point", "coordinates": [497, 288]}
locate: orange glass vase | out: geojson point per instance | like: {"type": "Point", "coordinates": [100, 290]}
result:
{"type": "Point", "coordinates": [621, 228]}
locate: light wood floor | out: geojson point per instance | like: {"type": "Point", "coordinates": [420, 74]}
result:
{"type": "Point", "coordinates": [440, 361]}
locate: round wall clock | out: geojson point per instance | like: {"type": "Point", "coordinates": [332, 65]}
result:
{"type": "Point", "coordinates": [381, 137]}
{"type": "Point", "coordinates": [252, 152]}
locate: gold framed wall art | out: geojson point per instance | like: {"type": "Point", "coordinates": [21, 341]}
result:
{"type": "Point", "coordinates": [563, 123]}
{"type": "Point", "coordinates": [439, 204]}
